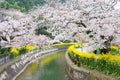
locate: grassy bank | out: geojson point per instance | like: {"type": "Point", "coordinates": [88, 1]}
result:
{"type": "Point", "coordinates": [62, 45]}
{"type": "Point", "coordinates": [106, 63]}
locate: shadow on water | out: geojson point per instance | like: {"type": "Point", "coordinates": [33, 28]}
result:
{"type": "Point", "coordinates": [51, 67]}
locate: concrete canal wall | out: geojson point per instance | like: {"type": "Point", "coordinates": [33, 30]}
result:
{"type": "Point", "coordinates": [80, 73]}
{"type": "Point", "coordinates": [15, 68]}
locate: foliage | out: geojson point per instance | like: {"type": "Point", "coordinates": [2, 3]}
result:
{"type": "Point", "coordinates": [22, 5]}
{"type": "Point", "coordinates": [115, 50]}
{"type": "Point", "coordinates": [106, 63]}
{"type": "Point", "coordinates": [67, 41]}
{"type": "Point", "coordinates": [22, 50]}
{"type": "Point", "coordinates": [95, 22]}
{"type": "Point", "coordinates": [40, 2]}
{"type": "Point", "coordinates": [27, 48]}
{"type": "Point", "coordinates": [62, 1]}
{"type": "Point", "coordinates": [43, 31]}
{"type": "Point", "coordinates": [62, 45]}
{"type": "Point", "coordinates": [4, 50]}
{"type": "Point", "coordinates": [114, 47]}
{"type": "Point", "coordinates": [14, 52]}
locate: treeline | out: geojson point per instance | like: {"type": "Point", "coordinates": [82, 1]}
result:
{"type": "Point", "coordinates": [22, 5]}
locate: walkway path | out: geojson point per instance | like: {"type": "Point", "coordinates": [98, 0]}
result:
{"type": "Point", "coordinates": [13, 67]}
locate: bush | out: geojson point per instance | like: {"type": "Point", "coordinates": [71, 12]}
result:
{"type": "Point", "coordinates": [29, 48]}
{"type": "Point", "coordinates": [43, 31]}
{"type": "Point", "coordinates": [4, 50]}
{"type": "Point", "coordinates": [105, 63]}
{"type": "Point", "coordinates": [25, 49]}
{"type": "Point", "coordinates": [22, 5]}
{"type": "Point", "coordinates": [67, 41]}
{"type": "Point", "coordinates": [114, 50]}
{"type": "Point", "coordinates": [62, 1]}
{"type": "Point", "coordinates": [22, 50]}
{"type": "Point", "coordinates": [14, 52]}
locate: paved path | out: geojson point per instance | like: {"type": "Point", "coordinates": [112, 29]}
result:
{"type": "Point", "coordinates": [12, 61]}
{"type": "Point", "coordinates": [22, 57]}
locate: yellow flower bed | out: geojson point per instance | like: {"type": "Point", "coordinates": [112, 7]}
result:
{"type": "Point", "coordinates": [18, 51]}
{"type": "Point", "coordinates": [108, 57]}
{"type": "Point", "coordinates": [62, 45]}
{"type": "Point", "coordinates": [114, 47]}
{"type": "Point", "coordinates": [29, 47]}
{"type": "Point", "coordinates": [14, 51]}
{"type": "Point", "coordinates": [107, 63]}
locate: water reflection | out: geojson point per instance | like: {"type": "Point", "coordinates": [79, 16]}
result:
{"type": "Point", "coordinates": [51, 67]}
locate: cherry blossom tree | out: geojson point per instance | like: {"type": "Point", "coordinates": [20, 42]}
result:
{"type": "Point", "coordinates": [95, 22]}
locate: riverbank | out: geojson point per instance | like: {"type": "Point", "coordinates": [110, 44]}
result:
{"type": "Point", "coordinates": [13, 70]}
{"type": "Point", "coordinates": [82, 73]}
{"type": "Point", "coordinates": [50, 67]}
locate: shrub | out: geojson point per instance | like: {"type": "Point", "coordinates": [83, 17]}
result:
{"type": "Point", "coordinates": [25, 49]}
{"type": "Point", "coordinates": [4, 50]}
{"type": "Point", "coordinates": [43, 31]}
{"type": "Point", "coordinates": [14, 52]}
{"type": "Point", "coordinates": [67, 41]}
{"type": "Point", "coordinates": [106, 63]}
{"type": "Point", "coordinates": [22, 50]}
{"type": "Point", "coordinates": [62, 1]}
{"type": "Point", "coordinates": [22, 5]}
{"type": "Point", "coordinates": [29, 48]}
{"type": "Point", "coordinates": [114, 50]}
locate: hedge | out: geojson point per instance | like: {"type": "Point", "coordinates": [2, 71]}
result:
{"type": "Point", "coordinates": [106, 63]}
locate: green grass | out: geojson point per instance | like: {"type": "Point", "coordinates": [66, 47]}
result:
{"type": "Point", "coordinates": [62, 45]}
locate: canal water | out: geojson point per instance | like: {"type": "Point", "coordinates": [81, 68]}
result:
{"type": "Point", "coordinates": [51, 67]}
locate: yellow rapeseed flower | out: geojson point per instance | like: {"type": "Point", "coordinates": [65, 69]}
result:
{"type": "Point", "coordinates": [29, 47]}
{"type": "Point", "coordinates": [107, 57]}
{"type": "Point", "coordinates": [14, 51]}
{"type": "Point", "coordinates": [114, 47]}
{"type": "Point", "coordinates": [77, 52]}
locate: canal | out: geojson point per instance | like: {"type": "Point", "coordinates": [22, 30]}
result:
{"type": "Point", "coordinates": [51, 67]}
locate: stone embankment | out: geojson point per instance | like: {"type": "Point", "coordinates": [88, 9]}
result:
{"type": "Point", "coordinates": [10, 71]}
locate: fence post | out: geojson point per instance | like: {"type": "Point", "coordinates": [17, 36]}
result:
{"type": "Point", "coordinates": [4, 58]}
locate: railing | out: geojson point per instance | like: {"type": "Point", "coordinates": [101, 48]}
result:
{"type": "Point", "coordinates": [4, 58]}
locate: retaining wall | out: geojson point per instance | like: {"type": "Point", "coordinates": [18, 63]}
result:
{"type": "Point", "coordinates": [16, 67]}
{"type": "Point", "coordinates": [81, 73]}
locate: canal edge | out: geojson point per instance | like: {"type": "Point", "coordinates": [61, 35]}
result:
{"type": "Point", "coordinates": [49, 52]}
{"type": "Point", "coordinates": [81, 73]}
